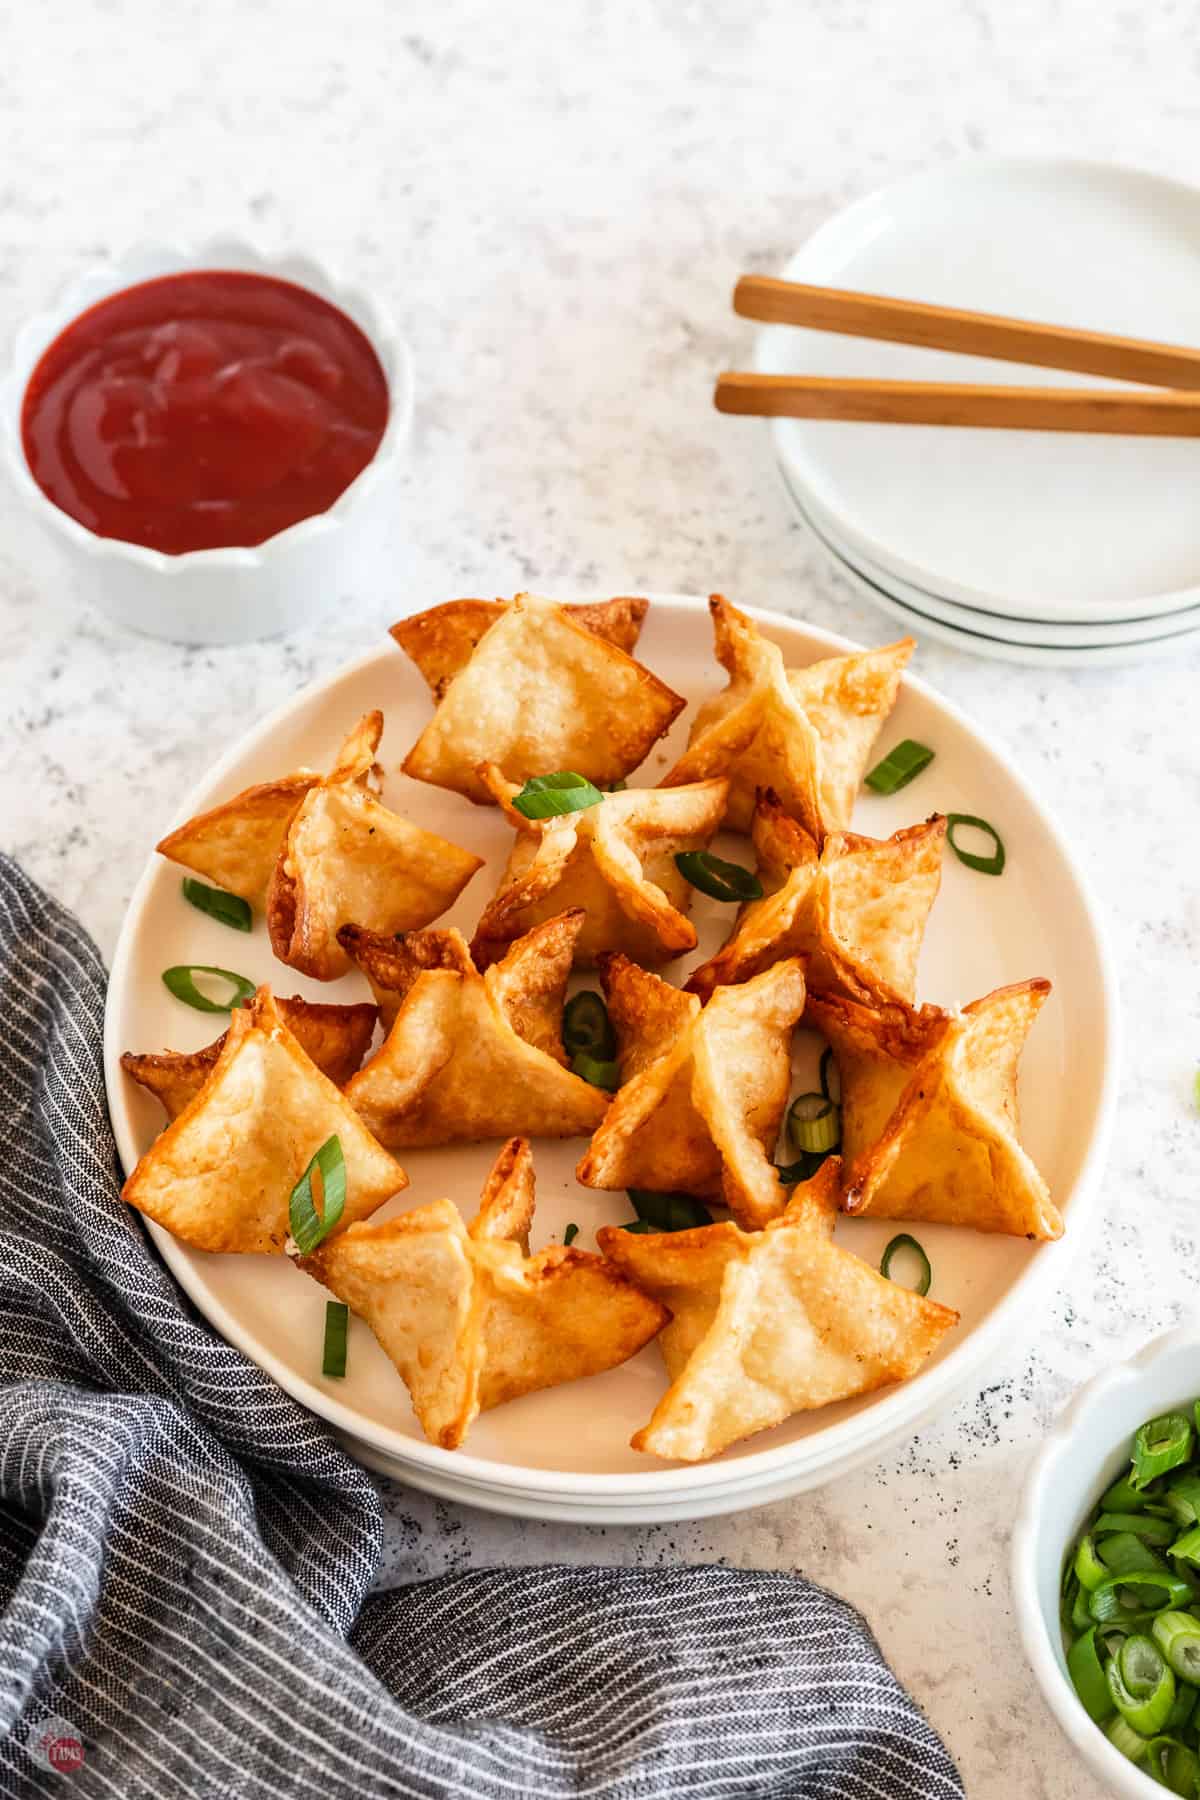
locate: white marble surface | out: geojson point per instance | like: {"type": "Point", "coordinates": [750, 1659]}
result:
{"type": "Point", "coordinates": [555, 200]}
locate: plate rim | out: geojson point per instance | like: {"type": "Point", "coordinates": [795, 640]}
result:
{"type": "Point", "coordinates": [796, 268]}
{"type": "Point", "coordinates": [887, 1415]}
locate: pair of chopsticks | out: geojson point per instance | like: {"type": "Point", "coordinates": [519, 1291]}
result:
{"type": "Point", "coordinates": [1151, 413]}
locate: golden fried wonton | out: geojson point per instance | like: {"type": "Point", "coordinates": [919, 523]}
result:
{"type": "Point", "coordinates": [442, 640]}
{"type": "Point", "coordinates": [807, 733]}
{"type": "Point", "coordinates": [929, 1111]}
{"type": "Point", "coordinates": [469, 1318]}
{"type": "Point", "coordinates": [703, 1090]}
{"type": "Point", "coordinates": [856, 910]}
{"type": "Point", "coordinates": [348, 858]}
{"type": "Point", "coordinates": [221, 1175]}
{"type": "Point", "coordinates": [335, 1038]}
{"type": "Point", "coordinates": [615, 860]}
{"type": "Point", "coordinates": [470, 1056]}
{"type": "Point", "coordinates": [770, 1323]}
{"type": "Point", "coordinates": [539, 692]}
{"type": "Point", "coordinates": [236, 844]}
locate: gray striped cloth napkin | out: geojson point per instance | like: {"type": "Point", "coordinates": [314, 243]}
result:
{"type": "Point", "coordinates": [186, 1557]}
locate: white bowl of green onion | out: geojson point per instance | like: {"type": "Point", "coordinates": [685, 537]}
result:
{"type": "Point", "coordinates": [1106, 1570]}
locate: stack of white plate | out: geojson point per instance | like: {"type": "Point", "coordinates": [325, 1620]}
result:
{"type": "Point", "coordinates": [1036, 547]}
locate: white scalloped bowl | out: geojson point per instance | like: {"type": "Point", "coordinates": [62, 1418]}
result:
{"type": "Point", "coordinates": [1084, 1454]}
{"type": "Point", "coordinates": [226, 596]}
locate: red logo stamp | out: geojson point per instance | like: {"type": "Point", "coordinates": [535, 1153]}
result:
{"type": "Point", "coordinates": [54, 1743]}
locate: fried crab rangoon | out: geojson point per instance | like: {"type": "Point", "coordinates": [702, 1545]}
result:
{"type": "Point", "coordinates": [615, 860]}
{"type": "Point", "coordinates": [443, 640]}
{"type": "Point", "coordinates": [221, 1175]}
{"type": "Point", "coordinates": [769, 1323]}
{"type": "Point", "coordinates": [856, 909]}
{"type": "Point", "coordinates": [703, 1089]}
{"type": "Point", "coordinates": [335, 1038]}
{"type": "Point", "coordinates": [929, 1111]}
{"type": "Point", "coordinates": [807, 733]}
{"type": "Point", "coordinates": [470, 1056]}
{"type": "Point", "coordinates": [540, 690]}
{"type": "Point", "coordinates": [346, 857]}
{"type": "Point", "coordinates": [468, 1317]}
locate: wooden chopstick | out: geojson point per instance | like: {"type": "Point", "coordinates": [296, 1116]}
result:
{"type": "Point", "coordinates": [971, 333]}
{"type": "Point", "coordinates": [1153, 412]}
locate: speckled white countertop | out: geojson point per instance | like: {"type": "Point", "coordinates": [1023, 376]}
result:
{"type": "Point", "coordinates": [555, 200]}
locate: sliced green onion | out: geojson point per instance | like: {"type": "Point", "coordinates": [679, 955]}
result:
{"type": "Point", "coordinates": [337, 1323]}
{"type": "Point", "coordinates": [1177, 1635]}
{"type": "Point", "coordinates": [719, 879]}
{"type": "Point", "coordinates": [813, 1123]}
{"type": "Point", "coordinates": [1124, 1738]}
{"type": "Point", "coordinates": [549, 796]}
{"type": "Point", "coordinates": [1125, 1554]}
{"type": "Point", "coordinates": [987, 865]}
{"type": "Point", "coordinates": [1173, 1765]}
{"type": "Point", "coordinates": [1081, 1617]}
{"type": "Point", "coordinates": [228, 909]}
{"type": "Point", "coordinates": [586, 1026]}
{"type": "Point", "coordinates": [310, 1227]}
{"type": "Point", "coordinates": [1159, 1445]}
{"type": "Point", "coordinates": [903, 1244]}
{"type": "Point", "coordinates": [899, 767]}
{"type": "Point", "coordinates": [830, 1077]}
{"type": "Point", "coordinates": [571, 1233]}
{"type": "Point", "coordinates": [1183, 1499]}
{"type": "Point", "coordinates": [640, 1227]}
{"type": "Point", "coordinates": [1087, 1672]}
{"type": "Point", "coordinates": [1185, 1698]}
{"type": "Point", "coordinates": [667, 1212]}
{"type": "Point", "coordinates": [1151, 1530]}
{"type": "Point", "coordinates": [1187, 1548]}
{"type": "Point", "coordinates": [1123, 1497]}
{"type": "Point", "coordinates": [803, 1169]}
{"type": "Point", "coordinates": [1088, 1567]}
{"type": "Point", "coordinates": [1148, 1589]}
{"type": "Point", "coordinates": [617, 787]}
{"type": "Point", "coordinates": [1142, 1685]}
{"type": "Point", "coordinates": [179, 980]}
{"type": "Point", "coordinates": [598, 1070]}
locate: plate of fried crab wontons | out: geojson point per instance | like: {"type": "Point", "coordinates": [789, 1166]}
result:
{"type": "Point", "coordinates": [613, 1060]}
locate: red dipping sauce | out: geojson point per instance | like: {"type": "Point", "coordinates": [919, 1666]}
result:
{"type": "Point", "coordinates": [202, 410]}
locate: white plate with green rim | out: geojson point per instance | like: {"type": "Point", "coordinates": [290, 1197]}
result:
{"type": "Point", "coordinates": [564, 1453]}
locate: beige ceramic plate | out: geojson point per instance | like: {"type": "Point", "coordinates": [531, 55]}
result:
{"type": "Point", "coordinates": [566, 1452]}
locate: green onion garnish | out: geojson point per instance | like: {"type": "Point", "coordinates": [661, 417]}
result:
{"type": "Point", "coordinates": [1173, 1765]}
{"type": "Point", "coordinates": [718, 879]}
{"type": "Point", "coordinates": [310, 1227]}
{"type": "Point", "coordinates": [829, 1077]}
{"type": "Point", "coordinates": [598, 1070]}
{"type": "Point", "coordinates": [1141, 1525]}
{"type": "Point", "coordinates": [1160, 1444]}
{"type": "Point", "coordinates": [228, 909]}
{"type": "Point", "coordinates": [987, 865]}
{"type": "Point", "coordinates": [899, 767]}
{"type": "Point", "coordinates": [587, 1028]}
{"type": "Point", "coordinates": [1087, 1672]}
{"type": "Point", "coordinates": [813, 1123]}
{"type": "Point", "coordinates": [549, 796]}
{"type": "Point", "coordinates": [1142, 1685]}
{"type": "Point", "coordinates": [666, 1212]}
{"type": "Point", "coordinates": [571, 1233]}
{"type": "Point", "coordinates": [803, 1169]}
{"type": "Point", "coordinates": [1146, 1590]}
{"type": "Point", "coordinates": [337, 1323]}
{"type": "Point", "coordinates": [1177, 1635]}
{"type": "Point", "coordinates": [904, 1244]}
{"type": "Point", "coordinates": [1183, 1499]}
{"type": "Point", "coordinates": [1125, 1739]}
{"type": "Point", "coordinates": [179, 980]}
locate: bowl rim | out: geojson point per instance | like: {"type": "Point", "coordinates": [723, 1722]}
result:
{"type": "Point", "coordinates": [1035, 1632]}
{"type": "Point", "coordinates": [907, 1401]}
{"type": "Point", "coordinates": [77, 295]}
